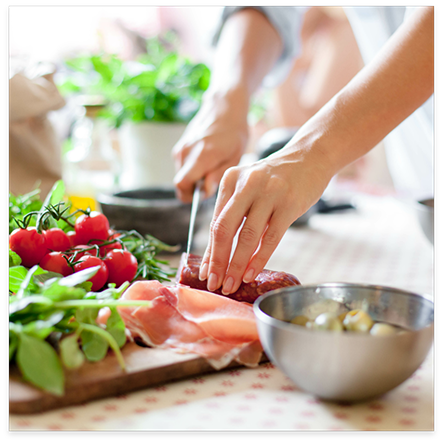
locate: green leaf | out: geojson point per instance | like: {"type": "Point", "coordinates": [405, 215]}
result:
{"type": "Point", "coordinates": [39, 364]}
{"type": "Point", "coordinates": [56, 292]}
{"type": "Point", "coordinates": [94, 345]}
{"type": "Point", "coordinates": [42, 328]}
{"type": "Point", "coordinates": [17, 274]}
{"type": "Point", "coordinates": [21, 279]}
{"type": "Point", "coordinates": [13, 342]}
{"type": "Point", "coordinates": [54, 196]}
{"type": "Point", "coordinates": [48, 275]}
{"type": "Point", "coordinates": [86, 315]}
{"type": "Point", "coordinates": [79, 277]}
{"type": "Point", "coordinates": [116, 327]}
{"type": "Point", "coordinates": [14, 259]}
{"type": "Point", "coordinates": [33, 303]}
{"type": "Point", "coordinates": [70, 353]}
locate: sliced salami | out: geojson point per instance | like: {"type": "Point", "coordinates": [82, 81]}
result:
{"type": "Point", "coordinates": [266, 281]}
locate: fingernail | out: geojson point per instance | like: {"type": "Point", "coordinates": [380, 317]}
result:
{"type": "Point", "coordinates": [248, 276]}
{"type": "Point", "coordinates": [203, 274]}
{"type": "Point", "coordinates": [212, 282]}
{"type": "Point", "coordinates": [229, 283]}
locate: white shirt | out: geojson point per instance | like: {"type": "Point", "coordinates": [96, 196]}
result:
{"type": "Point", "coordinates": [410, 146]}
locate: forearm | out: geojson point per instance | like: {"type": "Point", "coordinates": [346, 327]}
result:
{"type": "Point", "coordinates": [246, 51]}
{"type": "Point", "coordinates": [377, 100]}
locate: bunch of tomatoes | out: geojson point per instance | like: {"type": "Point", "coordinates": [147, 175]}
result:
{"type": "Point", "coordinates": [91, 243]}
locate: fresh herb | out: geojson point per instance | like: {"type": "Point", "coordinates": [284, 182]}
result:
{"type": "Point", "coordinates": [160, 86]}
{"type": "Point", "coordinates": [53, 319]}
{"type": "Point", "coordinates": [145, 249]}
{"type": "Point", "coordinates": [21, 205]}
{"type": "Point", "coordinates": [53, 323]}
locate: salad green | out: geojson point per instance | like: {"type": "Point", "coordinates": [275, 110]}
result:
{"type": "Point", "coordinates": [53, 318]}
{"type": "Point", "coordinates": [62, 311]}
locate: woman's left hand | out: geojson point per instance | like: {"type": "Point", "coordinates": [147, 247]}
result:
{"type": "Point", "coordinates": [262, 200]}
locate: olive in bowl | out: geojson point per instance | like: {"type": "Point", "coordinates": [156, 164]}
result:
{"type": "Point", "coordinates": [338, 364]}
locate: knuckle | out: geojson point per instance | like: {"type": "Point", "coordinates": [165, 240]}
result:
{"type": "Point", "coordinates": [230, 175]}
{"type": "Point", "coordinates": [270, 239]}
{"type": "Point", "coordinates": [248, 235]}
{"type": "Point", "coordinates": [217, 263]}
{"type": "Point", "coordinates": [220, 231]}
{"type": "Point", "coordinates": [236, 267]}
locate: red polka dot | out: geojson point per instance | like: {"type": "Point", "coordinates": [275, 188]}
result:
{"type": "Point", "coordinates": [376, 406]}
{"type": "Point", "coordinates": [409, 410]}
{"type": "Point", "coordinates": [180, 402]}
{"type": "Point", "coordinates": [263, 375]}
{"type": "Point", "coordinates": [219, 393]}
{"type": "Point", "coordinates": [227, 383]}
{"type": "Point", "coordinates": [150, 399]}
{"type": "Point", "coordinates": [257, 386]}
{"type": "Point", "coordinates": [110, 407]}
{"type": "Point", "coordinates": [190, 391]}
{"type": "Point", "coordinates": [141, 410]}
{"type": "Point", "coordinates": [406, 422]}
{"type": "Point", "coordinates": [373, 418]}
{"type": "Point", "coordinates": [340, 415]}
{"type": "Point", "coordinates": [68, 415]}
{"type": "Point", "coordinates": [288, 388]}
{"type": "Point", "coordinates": [411, 398]}
{"type": "Point", "coordinates": [98, 418]}
{"type": "Point", "coordinates": [198, 380]}
{"type": "Point", "coordinates": [54, 427]}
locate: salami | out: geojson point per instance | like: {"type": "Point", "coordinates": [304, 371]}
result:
{"type": "Point", "coordinates": [266, 281]}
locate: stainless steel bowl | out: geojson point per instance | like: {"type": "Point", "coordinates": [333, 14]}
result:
{"type": "Point", "coordinates": [345, 366]}
{"type": "Point", "coordinates": [425, 214]}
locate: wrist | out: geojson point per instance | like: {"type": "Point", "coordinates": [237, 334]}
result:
{"type": "Point", "coordinates": [230, 103]}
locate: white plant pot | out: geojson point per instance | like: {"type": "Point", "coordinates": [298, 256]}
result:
{"type": "Point", "coordinates": [146, 153]}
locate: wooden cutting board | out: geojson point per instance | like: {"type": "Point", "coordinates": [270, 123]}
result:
{"type": "Point", "coordinates": [145, 367]}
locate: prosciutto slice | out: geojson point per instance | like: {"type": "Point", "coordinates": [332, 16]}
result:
{"type": "Point", "coordinates": [190, 320]}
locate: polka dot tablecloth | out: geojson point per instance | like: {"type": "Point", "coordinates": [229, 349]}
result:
{"type": "Point", "coordinates": [379, 243]}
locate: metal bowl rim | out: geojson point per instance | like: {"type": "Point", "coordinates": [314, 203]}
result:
{"type": "Point", "coordinates": [272, 321]}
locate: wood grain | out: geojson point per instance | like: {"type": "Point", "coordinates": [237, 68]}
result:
{"type": "Point", "coordinates": [145, 367]}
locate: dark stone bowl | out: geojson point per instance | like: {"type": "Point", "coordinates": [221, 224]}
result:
{"type": "Point", "coordinates": [154, 211]}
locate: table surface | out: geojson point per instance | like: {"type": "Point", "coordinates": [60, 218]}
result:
{"type": "Point", "coordinates": [379, 243]}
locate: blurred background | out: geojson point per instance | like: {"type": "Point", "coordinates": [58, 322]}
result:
{"type": "Point", "coordinates": [100, 95]}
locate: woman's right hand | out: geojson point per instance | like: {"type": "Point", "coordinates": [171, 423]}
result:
{"type": "Point", "coordinates": [213, 142]}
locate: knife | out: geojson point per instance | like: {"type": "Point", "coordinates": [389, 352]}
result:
{"type": "Point", "coordinates": [194, 208]}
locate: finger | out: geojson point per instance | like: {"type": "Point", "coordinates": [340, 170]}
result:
{"type": "Point", "coordinates": [271, 238]}
{"type": "Point", "coordinates": [227, 188]}
{"type": "Point", "coordinates": [223, 231]}
{"type": "Point", "coordinates": [213, 178]}
{"type": "Point", "coordinates": [248, 241]}
{"type": "Point", "coordinates": [192, 170]}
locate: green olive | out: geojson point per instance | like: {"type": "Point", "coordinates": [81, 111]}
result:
{"type": "Point", "coordinates": [300, 320]}
{"type": "Point", "coordinates": [327, 322]}
{"type": "Point", "coordinates": [342, 316]}
{"type": "Point", "coordinates": [358, 321]}
{"type": "Point", "coordinates": [381, 329]}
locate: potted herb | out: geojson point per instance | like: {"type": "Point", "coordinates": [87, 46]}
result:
{"type": "Point", "coordinates": [149, 100]}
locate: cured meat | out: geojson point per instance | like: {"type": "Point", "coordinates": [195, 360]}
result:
{"type": "Point", "coordinates": [266, 281]}
{"type": "Point", "coordinates": [189, 320]}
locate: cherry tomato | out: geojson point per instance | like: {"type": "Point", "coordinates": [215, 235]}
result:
{"type": "Point", "coordinates": [29, 245]}
{"type": "Point", "coordinates": [101, 276]}
{"type": "Point", "coordinates": [55, 262]}
{"type": "Point", "coordinates": [92, 227]}
{"type": "Point", "coordinates": [72, 238]}
{"type": "Point", "coordinates": [79, 255]}
{"type": "Point", "coordinates": [107, 248]}
{"type": "Point", "coordinates": [122, 266]}
{"type": "Point", "coordinates": [56, 240]}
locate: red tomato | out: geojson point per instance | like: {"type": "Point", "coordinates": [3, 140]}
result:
{"type": "Point", "coordinates": [72, 238]}
{"type": "Point", "coordinates": [122, 266]}
{"type": "Point", "coordinates": [107, 248]}
{"type": "Point", "coordinates": [56, 240]}
{"type": "Point", "coordinates": [55, 262]}
{"type": "Point", "coordinates": [93, 227]}
{"type": "Point", "coordinates": [79, 255]}
{"type": "Point", "coordinates": [29, 245]}
{"type": "Point", "coordinates": [101, 276]}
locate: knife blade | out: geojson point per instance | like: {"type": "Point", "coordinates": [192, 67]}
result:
{"type": "Point", "coordinates": [194, 208]}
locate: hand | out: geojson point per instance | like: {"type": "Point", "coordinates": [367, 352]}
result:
{"type": "Point", "coordinates": [214, 141]}
{"type": "Point", "coordinates": [262, 200]}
